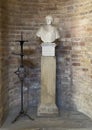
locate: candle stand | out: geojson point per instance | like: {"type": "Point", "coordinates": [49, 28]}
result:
{"type": "Point", "coordinates": [21, 73]}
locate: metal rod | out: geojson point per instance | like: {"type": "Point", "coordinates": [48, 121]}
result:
{"type": "Point", "coordinates": [22, 96]}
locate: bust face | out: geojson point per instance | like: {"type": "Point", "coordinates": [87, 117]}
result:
{"type": "Point", "coordinates": [49, 20]}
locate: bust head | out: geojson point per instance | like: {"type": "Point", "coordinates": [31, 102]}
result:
{"type": "Point", "coordinates": [49, 19]}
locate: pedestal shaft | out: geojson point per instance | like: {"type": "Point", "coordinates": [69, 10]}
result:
{"type": "Point", "coordinates": [48, 80]}
{"type": "Point", "coordinates": [48, 86]}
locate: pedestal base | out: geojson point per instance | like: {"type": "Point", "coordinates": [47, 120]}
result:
{"type": "Point", "coordinates": [47, 110]}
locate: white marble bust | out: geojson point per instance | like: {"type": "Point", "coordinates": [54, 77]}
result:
{"type": "Point", "coordinates": [48, 33]}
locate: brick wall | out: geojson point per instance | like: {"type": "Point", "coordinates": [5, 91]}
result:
{"type": "Point", "coordinates": [81, 58]}
{"type": "Point", "coordinates": [74, 55]}
{"type": "Point", "coordinates": [3, 62]}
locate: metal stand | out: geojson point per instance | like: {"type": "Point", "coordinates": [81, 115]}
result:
{"type": "Point", "coordinates": [21, 72]}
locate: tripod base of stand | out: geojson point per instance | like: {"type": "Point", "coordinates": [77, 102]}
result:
{"type": "Point", "coordinates": [21, 114]}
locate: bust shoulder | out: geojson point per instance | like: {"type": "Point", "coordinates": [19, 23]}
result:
{"type": "Point", "coordinates": [48, 28]}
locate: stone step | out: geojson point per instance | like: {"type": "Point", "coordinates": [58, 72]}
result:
{"type": "Point", "coordinates": [49, 124]}
{"type": "Point", "coordinates": [66, 121]}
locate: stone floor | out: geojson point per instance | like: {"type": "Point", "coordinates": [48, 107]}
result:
{"type": "Point", "coordinates": [67, 120]}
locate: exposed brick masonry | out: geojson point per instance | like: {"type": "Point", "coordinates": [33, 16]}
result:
{"type": "Point", "coordinates": [74, 50]}
{"type": "Point", "coordinates": [3, 62]}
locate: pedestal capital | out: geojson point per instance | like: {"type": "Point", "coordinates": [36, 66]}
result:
{"type": "Point", "coordinates": [48, 49]}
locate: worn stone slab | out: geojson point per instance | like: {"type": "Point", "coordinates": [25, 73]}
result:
{"type": "Point", "coordinates": [68, 120]}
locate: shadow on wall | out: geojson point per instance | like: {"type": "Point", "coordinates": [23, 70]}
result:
{"type": "Point", "coordinates": [64, 77]}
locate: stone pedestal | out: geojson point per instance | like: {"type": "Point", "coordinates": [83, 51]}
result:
{"type": "Point", "coordinates": [48, 81]}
